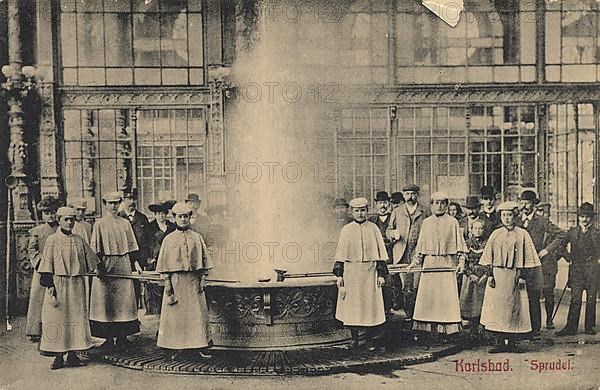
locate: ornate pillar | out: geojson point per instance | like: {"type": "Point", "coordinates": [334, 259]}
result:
{"type": "Point", "coordinates": [124, 152]}
{"type": "Point", "coordinates": [215, 153]}
{"type": "Point", "coordinates": [89, 156]}
{"type": "Point", "coordinates": [49, 182]}
{"type": "Point", "coordinates": [17, 150]}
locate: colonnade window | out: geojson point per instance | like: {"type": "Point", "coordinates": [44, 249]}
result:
{"type": "Point", "coordinates": [158, 153]}
{"type": "Point", "coordinates": [125, 42]}
{"type": "Point", "coordinates": [572, 48]}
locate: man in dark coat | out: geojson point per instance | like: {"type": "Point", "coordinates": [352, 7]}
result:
{"type": "Point", "coordinates": [139, 224]}
{"type": "Point", "coordinates": [549, 241]}
{"type": "Point", "coordinates": [584, 271]}
{"type": "Point", "coordinates": [382, 220]}
{"type": "Point", "coordinates": [488, 208]}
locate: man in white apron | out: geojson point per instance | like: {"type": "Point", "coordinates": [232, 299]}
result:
{"type": "Point", "coordinates": [360, 269]}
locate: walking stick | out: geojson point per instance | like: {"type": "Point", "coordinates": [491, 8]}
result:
{"type": "Point", "coordinates": [559, 301]}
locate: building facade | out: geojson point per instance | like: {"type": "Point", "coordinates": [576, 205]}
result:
{"type": "Point", "coordinates": [132, 95]}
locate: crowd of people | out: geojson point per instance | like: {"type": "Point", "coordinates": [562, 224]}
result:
{"type": "Point", "coordinates": [66, 308]}
{"type": "Point", "coordinates": [480, 267]}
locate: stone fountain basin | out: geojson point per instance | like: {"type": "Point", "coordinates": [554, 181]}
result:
{"type": "Point", "coordinates": [293, 314]}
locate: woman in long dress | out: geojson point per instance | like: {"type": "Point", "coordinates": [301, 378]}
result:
{"type": "Point", "coordinates": [184, 262]}
{"type": "Point", "coordinates": [505, 310]}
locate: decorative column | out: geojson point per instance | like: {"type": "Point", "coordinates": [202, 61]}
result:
{"type": "Point", "coordinates": [215, 151]}
{"type": "Point", "coordinates": [89, 158]}
{"type": "Point", "coordinates": [17, 150]}
{"type": "Point", "coordinates": [124, 152]}
{"type": "Point", "coordinates": [49, 182]}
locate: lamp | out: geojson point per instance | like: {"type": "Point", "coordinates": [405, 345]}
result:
{"type": "Point", "coordinates": [15, 83]}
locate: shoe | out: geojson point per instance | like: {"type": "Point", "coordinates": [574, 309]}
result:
{"type": "Point", "coordinates": [57, 363]}
{"type": "Point", "coordinates": [498, 349]}
{"type": "Point", "coordinates": [565, 332]}
{"type": "Point", "coordinates": [34, 339]}
{"type": "Point", "coordinates": [352, 346]}
{"type": "Point", "coordinates": [590, 331]}
{"type": "Point", "coordinates": [535, 334]}
{"type": "Point", "coordinates": [204, 354]}
{"type": "Point", "coordinates": [74, 361]}
{"type": "Point", "coordinates": [108, 344]}
{"type": "Point", "coordinates": [549, 325]}
{"type": "Point", "coordinates": [123, 342]}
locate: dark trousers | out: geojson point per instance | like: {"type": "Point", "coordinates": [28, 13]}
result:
{"type": "Point", "coordinates": [393, 297]}
{"type": "Point", "coordinates": [583, 277]}
{"type": "Point", "coordinates": [535, 309]}
{"type": "Point", "coordinates": [549, 271]}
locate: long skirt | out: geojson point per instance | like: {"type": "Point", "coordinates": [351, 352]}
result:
{"type": "Point", "coordinates": [65, 320]}
{"type": "Point", "coordinates": [113, 309]}
{"type": "Point", "coordinates": [184, 325]}
{"type": "Point", "coordinates": [360, 303]}
{"type": "Point", "coordinates": [436, 307]}
{"type": "Point", "coordinates": [471, 298]}
{"type": "Point", "coordinates": [34, 309]}
{"type": "Point", "coordinates": [505, 307]}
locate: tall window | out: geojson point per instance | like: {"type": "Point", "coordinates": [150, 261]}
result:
{"type": "Point", "coordinates": [124, 42]}
{"type": "Point", "coordinates": [502, 149]}
{"type": "Point", "coordinates": [362, 143]}
{"type": "Point", "coordinates": [572, 49]}
{"type": "Point", "coordinates": [430, 150]}
{"type": "Point", "coordinates": [494, 41]}
{"type": "Point", "coordinates": [162, 156]}
{"type": "Point", "coordinates": [571, 160]}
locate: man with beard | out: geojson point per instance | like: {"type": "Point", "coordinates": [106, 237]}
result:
{"type": "Point", "coordinates": [403, 230]}
{"type": "Point", "coordinates": [488, 210]}
{"type": "Point", "coordinates": [382, 220]}
{"type": "Point", "coordinates": [549, 242]}
{"type": "Point", "coordinates": [473, 211]}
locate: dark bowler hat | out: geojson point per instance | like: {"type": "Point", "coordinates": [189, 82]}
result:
{"type": "Point", "coordinates": [382, 195]}
{"type": "Point", "coordinates": [586, 209]}
{"type": "Point", "coordinates": [487, 192]}
{"type": "Point", "coordinates": [340, 202]}
{"type": "Point", "coordinates": [397, 197]}
{"type": "Point", "coordinates": [472, 202]}
{"type": "Point", "coordinates": [411, 187]}
{"type": "Point", "coordinates": [192, 198]}
{"type": "Point", "coordinates": [529, 195]}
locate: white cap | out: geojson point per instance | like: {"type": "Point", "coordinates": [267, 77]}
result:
{"type": "Point", "coordinates": [439, 196]}
{"type": "Point", "coordinates": [359, 202]}
{"type": "Point", "coordinates": [182, 208]}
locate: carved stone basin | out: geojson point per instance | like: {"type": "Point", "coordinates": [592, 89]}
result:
{"type": "Point", "coordinates": [295, 313]}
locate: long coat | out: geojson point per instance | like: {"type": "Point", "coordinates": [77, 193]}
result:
{"type": "Point", "coordinates": [383, 226]}
{"type": "Point", "coordinates": [37, 240]}
{"type": "Point", "coordinates": [545, 235]}
{"type": "Point", "coordinates": [408, 228]}
{"type": "Point", "coordinates": [139, 224]}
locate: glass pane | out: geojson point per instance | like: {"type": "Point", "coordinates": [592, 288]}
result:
{"type": "Point", "coordinates": [146, 39]}
{"type": "Point", "coordinates": [89, 6]}
{"type": "Point", "coordinates": [107, 149]}
{"type": "Point", "coordinates": [118, 34]}
{"type": "Point", "coordinates": [106, 120]}
{"type": "Point", "coordinates": [579, 35]}
{"type": "Point", "coordinates": [73, 177]}
{"type": "Point", "coordinates": [72, 125]}
{"type": "Point", "coordinates": [195, 40]}
{"type": "Point", "coordinates": [68, 40]}
{"type": "Point", "coordinates": [108, 172]}
{"type": "Point", "coordinates": [116, 5]}
{"type": "Point", "coordinates": [90, 39]}
{"type": "Point", "coordinates": [174, 39]}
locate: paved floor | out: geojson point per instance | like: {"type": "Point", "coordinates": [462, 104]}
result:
{"type": "Point", "coordinates": [21, 367]}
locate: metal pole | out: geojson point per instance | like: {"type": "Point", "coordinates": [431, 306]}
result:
{"type": "Point", "coordinates": [8, 247]}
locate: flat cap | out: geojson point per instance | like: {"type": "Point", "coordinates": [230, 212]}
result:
{"type": "Point", "coordinates": [66, 212]}
{"type": "Point", "coordinates": [359, 202]}
{"type": "Point", "coordinates": [181, 208]}
{"type": "Point", "coordinates": [411, 187]}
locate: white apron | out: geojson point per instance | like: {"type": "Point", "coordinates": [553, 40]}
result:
{"type": "Point", "coordinates": [363, 303]}
{"type": "Point", "coordinates": [113, 300]}
{"type": "Point", "coordinates": [184, 325]}
{"type": "Point", "coordinates": [437, 297]}
{"type": "Point", "coordinates": [66, 324]}
{"type": "Point", "coordinates": [506, 307]}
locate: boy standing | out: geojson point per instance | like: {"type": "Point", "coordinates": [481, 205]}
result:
{"type": "Point", "coordinates": [360, 268]}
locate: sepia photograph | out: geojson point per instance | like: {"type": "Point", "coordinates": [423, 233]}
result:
{"type": "Point", "coordinates": [313, 194]}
